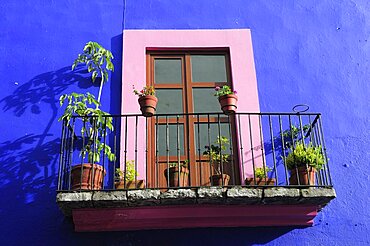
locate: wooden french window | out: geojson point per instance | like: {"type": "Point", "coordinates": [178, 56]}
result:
{"type": "Point", "coordinates": [184, 83]}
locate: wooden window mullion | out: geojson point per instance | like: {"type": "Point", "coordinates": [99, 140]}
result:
{"type": "Point", "coordinates": [190, 119]}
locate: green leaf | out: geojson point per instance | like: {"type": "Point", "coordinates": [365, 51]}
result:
{"type": "Point", "coordinates": [105, 74]}
{"type": "Point", "coordinates": [109, 65]}
{"type": "Point", "coordinates": [62, 98]}
{"type": "Point", "coordinates": [94, 74]}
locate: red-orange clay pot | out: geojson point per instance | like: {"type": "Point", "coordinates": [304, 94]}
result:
{"type": "Point", "coordinates": [91, 179]}
{"type": "Point", "coordinates": [228, 103]}
{"type": "Point", "coordinates": [216, 180]}
{"type": "Point", "coordinates": [148, 105]}
{"type": "Point", "coordinates": [260, 181]}
{"type": "Point", "coordinates": [173, 177]}
{"type": "Point", "coordinates": [138, 184]}
{"type": "Point", "coordinates": [303, 176]}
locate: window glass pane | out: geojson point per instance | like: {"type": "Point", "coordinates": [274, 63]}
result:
{"type": "Point", "coordinates": [208, 68]}
{"type": "Point", "coordinates": [167, 71]}
{"type": "Point", "coordinates": [173, 133]}
{"type": "Point", "coordinates": [207, 137]}
{"type": "Point", "coordinates": [169, 101]}
{"type": "Point", "coordinates": [204, 100]}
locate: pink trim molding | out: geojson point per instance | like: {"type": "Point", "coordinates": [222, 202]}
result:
{"type": "Point", "coordinates": [239, 43]}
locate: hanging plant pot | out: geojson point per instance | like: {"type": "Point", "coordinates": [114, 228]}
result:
{"type": "Point", "coordinates": [305, 178]}
{"type": "Point", "coordinates": [216, 180]}
{"type": "Point", "coordinates": [91, 178]}
{"type": "Point", "coordinates": [172, 176]}
{"type": "Point", "coordinates": [148, 105]}
{"type": "Point", "coordinates": [138, 184]}
{"type": "Point", "coordinates": [228, 103]}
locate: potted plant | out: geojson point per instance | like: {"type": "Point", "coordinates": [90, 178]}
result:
{"type": "Point", "coordinates": [147, 100]}
{"type": "Point", "coordinates": [216, 158]}
{"type": "Point", "coordinates": [95, 122]}
{"type": "Point", "coordinates": [227, 98]}
{"type": "Point", "coordinates": [177, 174]}
{"type": "Point", "coordinates": [303, 161]}
{"type": "Point", "coordinates": [127, 179]}
{"type": "Point", "coordinates": [261, 174]}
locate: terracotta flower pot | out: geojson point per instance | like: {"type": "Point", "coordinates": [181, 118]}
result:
{"type": "Point", "coordinates": [91, 179]}
{"type": "Point", "coordinates": [228, 103]}
{"type": "Point", "coordinates": [148, 105]}
{"type": "Point", "coordinates": [138, 184]}
{"type": "Point", "coordinates": [216, 180]}
{"type": "Point", "coordinates": [172, 176]}
{"type": "Point", "coordinates": [303, 176]}
{"type": "Point", "coordinates": [260, 181]}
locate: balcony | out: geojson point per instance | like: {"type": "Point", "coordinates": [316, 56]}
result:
{"type": "Point", "coordinates": [193, 170]}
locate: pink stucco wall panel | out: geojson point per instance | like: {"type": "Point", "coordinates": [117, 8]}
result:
{"type": "Point", "coordinates": [239, 42]}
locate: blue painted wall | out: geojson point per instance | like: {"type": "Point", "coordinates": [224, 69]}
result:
{"type": "Point", "coordinates": [313, 52]}
{"type": "Point", "coordinates": [38, 42]}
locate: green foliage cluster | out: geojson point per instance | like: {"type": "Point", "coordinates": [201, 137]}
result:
{"type": "Point", "coordinates": [214, 152]}
{"type": "Point", "coordinates": [146, 91]}
{"type": "Point", "coordinates": [98, 61]}
{"type": "Point", "coordinates": [224, 90]}
{"type": "Point", "coordinates": [261, 172]}
{"type": "Point", "coordinates": [131, 172]}
{"type": "Point", "coordinates": [96, 122]}
{"type": "Point", "coordinates": [303, 155]}
{"type": "Point", "coordinates": [79, 104]}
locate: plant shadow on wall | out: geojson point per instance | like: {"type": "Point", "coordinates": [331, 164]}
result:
{"type": "Point", "coordinates": [30, 163]}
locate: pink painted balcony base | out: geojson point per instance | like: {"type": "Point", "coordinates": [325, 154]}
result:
{"type": "Point", "coordinates": [192, 216]}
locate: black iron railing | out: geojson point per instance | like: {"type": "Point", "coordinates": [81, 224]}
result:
{"type": "Point", "coordinates": [192, 150]}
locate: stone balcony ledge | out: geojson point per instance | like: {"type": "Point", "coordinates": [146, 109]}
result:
{"type": "Point", "coordinates": [237, 195]}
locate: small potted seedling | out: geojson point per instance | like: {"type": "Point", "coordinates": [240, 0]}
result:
{"type": "Point", "coordinates": [177, 174]}
{"type": "Point", "coordinates": [261, 174]}
{"type": "Point", "coordinates": [217, 156]}
{"type": "Point", "coordinates": [127, 179]}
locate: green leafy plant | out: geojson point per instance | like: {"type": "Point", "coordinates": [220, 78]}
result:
{"type": "Point", "coordinates": [261, 172]}
{"type": "Point", "coordinates": [146, 91]}
{"type": "Point", "coordinates": [224, 90]}
{"type": "Point", "coordinates": [214, 153]}
{"type": "Point", "coordinates": [131, 172]}
{"type": "Point", "coordinates": [95, 122]}
{"type": "Point", "coordinates": [303, 155]}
